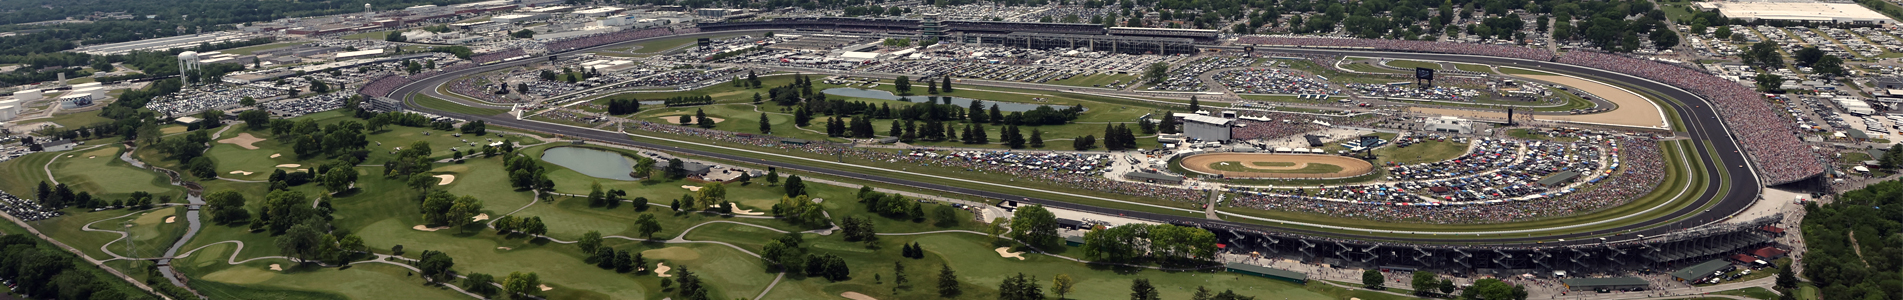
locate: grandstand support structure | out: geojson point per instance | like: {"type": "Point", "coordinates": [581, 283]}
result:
{"type": "Point", "coordinates": [1622, 254]}
{"type": "Point", "coordinates": [1106, 43]}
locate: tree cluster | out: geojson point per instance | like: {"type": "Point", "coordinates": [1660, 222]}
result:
{"type": "Point", "coordinates": [1833, 262]}
{"type": "Point", "coordinates": [1140, 241]}
{"type": "Point", "coordinates": [623, 106]}
{"type": "Point", "coordinates": [49, 273]}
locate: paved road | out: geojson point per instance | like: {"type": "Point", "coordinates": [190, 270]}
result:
{"type": "Point", "coordinates": [1702, 126]}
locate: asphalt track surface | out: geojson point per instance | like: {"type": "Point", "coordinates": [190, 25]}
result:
{"type": "Point", "coordinates": [1701, 123]}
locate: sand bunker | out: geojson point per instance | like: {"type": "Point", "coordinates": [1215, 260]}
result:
{"type": "Point", "coordinates": [290, 165]}
{"type": "Point", "coordinates": [446, 179]}
{"type": "Point", "coordinates": [240, 172]}
{"type": "Point", "coordinates": [748, 212]}
{"type": "Point", "coordinates": [427, 228]}
{"type": "Point", "coordinates": [661, 269]}
{"type": "Point", "coordinates": [276, 267]}
{"type": "Point", "coordinates": [169, 220]}
{"type": "Point", "coordinates": [677, 119]}
{"type": "Point", "coordinates": [91, 156]}
{"type": "Point", "coordinates": [276, 155]}
{"type": "Point", "coordinates": [244, 140]}
{"type": "Point", "coordinates": [691, 187]}
{"type": "Point", "coordinates": [856, 296]}
{"type": "Point", "coordinates": [1003, 251]}
{"type": "Point", "coordinates": [545, 288]}
{"type": "Point", "coordinates": [481, 217]}
{"type": "Point", "coordinates": [504, 248]}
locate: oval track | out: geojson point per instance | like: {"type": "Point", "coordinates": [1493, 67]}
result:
{"type": "Point", "coordinates": [1700, 121]}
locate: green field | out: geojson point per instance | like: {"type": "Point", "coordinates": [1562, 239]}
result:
{"type": "Point", "coordinates": [1369, 68]}
{"type": "Point", "coordinates": [1411, 64]}
{"type": "Point", "coordinates": [1095, 79]}
{"type": "Point", "coordinates": [1519, 71]}
{"type": "Point", "coordinates": [71, 120]}
{"type": "Point", "coordinates": [1483, 69]}
{"type": "Point", "coordinates": [100, 172]}
{"type": "Point", "coordinates": [445, 105]}
{"type": "Point", "coordinates": [1424, 152]}
{"type": "Point", "coordinates": [1313, 168]}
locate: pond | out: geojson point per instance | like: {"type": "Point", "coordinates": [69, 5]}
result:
{"type": "Point", "coordinates": [591, 162]}
{"type": "Point", "coordinates": [959, 101]}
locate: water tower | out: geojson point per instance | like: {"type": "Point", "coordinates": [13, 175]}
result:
{"type": "Point", "coordinates": [187, 63]}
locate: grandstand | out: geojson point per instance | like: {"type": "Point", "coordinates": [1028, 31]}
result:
{"type": "Point", "coordinates": [1106, 43]}
{"type": "Point", "coordinates": [1015, 27]}
{"type": "Point", "coordinates": [1202, 36]}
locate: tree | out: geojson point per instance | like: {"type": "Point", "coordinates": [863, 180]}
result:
{"type": "Point", "coordinates": [434, 265]}
{"type": "Point", "coordinates": [523, 34]}
{"type": "Point", "coordinates": [300, 242]}
{"type": "Point", "coordinates": [589, 241]}
{"type": "Point", "coordinates": [676, 169]}
{"type": "Point", "coordinates": [479, 283]}
{"type": "Point", "coordinates": [1372, 279]}
{"type": "Point", "coordinates": [1193, 105]}
{"type": "Point", "coordinates": [947, 282]}
{"type": "Point", "coordinates": [1807, 56]}
{"type": "Point", "coordinates": [1019, 287]}
{"type": "Point", "coordinates": [1723, 33]}
{"type": "Point", "coordinates": [1769, 82]}
{"type": "Point", "coordinates": [1084, 143]}
{"type": "Point", "coordinates": [1664, 39]}
{"type": "Point", "coordinates": [647, 225]}
{"type": "Point", "coordinates": [946, 84]}
{"type": "Point", "coordinates": [1037, 139]}
{"type": "Point", "coordinates": [1140, 289]}
{"type": "Point", "coordinates": [1157, 72]}
{"type": "Point", "coordinates": [710, 194]}
{"type": "Point", "coordinates": [898, 276]}
{"type": "Point", "coordinates": [903, 85]}
{"type": "Point", "coordinates": [765, 126]}
{"type": "Point", "coordinates": [1423, 281]}
{"type": "Point", "coordinates": [522, 284]}
{"type": "Point", "coordinates": [225, 207]}
{"type": "Point", "coordinates": [464, 211]}
{"type": "Point", "coordinates": [1035, 225]}
{"type": "Point", "coordinates": [1062, 285]}
{"type": "Point", "coordinates": [795, 186]}
{"type": "Point", "coordinates": [1829, 64]}
{"type": "Point", "coordinates": [1785, 278]}
{"type": "Point", "coordinates": [644, 167]}
{"type": "Point", "coordinates": [1447, 286]}
{"type": "Point", "coordinates": [395, 36]}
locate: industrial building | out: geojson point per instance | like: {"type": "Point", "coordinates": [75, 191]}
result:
{"type": "Point", "coordinates": [1797, 11]}
{"type": "Point", "coordinates": [1205, 128]}
{"type": "Point", "coordinates": [160, 44]}
{"type": "Point", "coordinates": [9, 109]}
{"type": "Point", "coordinates": [519, 18]}
{"type": "Point", "coordinates": [1450, 125]}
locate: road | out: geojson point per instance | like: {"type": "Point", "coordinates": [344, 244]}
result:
{"type": "Point", "coordinates": [1702, 126]}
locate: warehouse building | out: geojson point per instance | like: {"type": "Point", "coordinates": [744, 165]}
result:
{"type": "Point", "coordinates": [1205, 128]}
{"type": "Point", "coordinates": [1797, 11]}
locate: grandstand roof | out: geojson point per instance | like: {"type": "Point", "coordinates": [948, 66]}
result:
{"type": "Point", "coordinates": [1207, 119]}
{"type": "Point", "coordinates": [1700, 270]}
{"type": "Point", "coordinates": [1605, 282]}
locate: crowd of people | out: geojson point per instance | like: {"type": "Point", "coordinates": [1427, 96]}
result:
{"type": "Point", "coordinates": [382, 87]}
{"type": "Point", "coordinates": [614, 37]}
{"type": "Point", "coordinates": [497, 56]}
{"type": "Point", "coordinates": [1275, 81]}
{"type": "Point", "coordinates": [1279, 125]}
{"type": "Point", "coordinates": [291, 108]}
{"type": "Point", "coordinates": [1401, 45]}
{"type": "Point", "coordinates": [1637, 167]}
{"type": "Point", "coordinates": [1770, 138]}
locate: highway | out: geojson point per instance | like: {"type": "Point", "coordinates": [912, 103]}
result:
{"type": "Point", "coordinates": [1702, 126]}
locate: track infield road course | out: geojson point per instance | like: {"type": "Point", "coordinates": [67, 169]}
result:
{"type": "Point", "coordinates": [1350, 167]}
{"type": "Point", "coordinates": [1702, 124]}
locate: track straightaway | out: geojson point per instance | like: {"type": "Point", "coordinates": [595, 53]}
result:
{"type": "Point", "coordinates": [1718, 152]}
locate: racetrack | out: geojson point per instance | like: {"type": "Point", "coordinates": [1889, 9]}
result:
{"type": "Point", "coordinates": [1716, 149]}
{"type": "Point", "coordinates": [1207, 164]}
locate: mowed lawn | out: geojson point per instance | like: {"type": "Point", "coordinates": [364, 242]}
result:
{"type": "Point", "coordinates": [100, 172]}
{"type": "Point", "coordinates": [1411, 64]}
{"type": "Point", "coordinates": [1423, 152]}
{"type": "Point", "coordinates": [24, 174]}
{"type": "Point", "coordinates": [150, 234]}
{"type": "Point", "coordinates": [255, 280]}
{"type": "Point", "coordinates": [1096, 79]}
{"type": "Point", "coordinates": [979, 269]}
